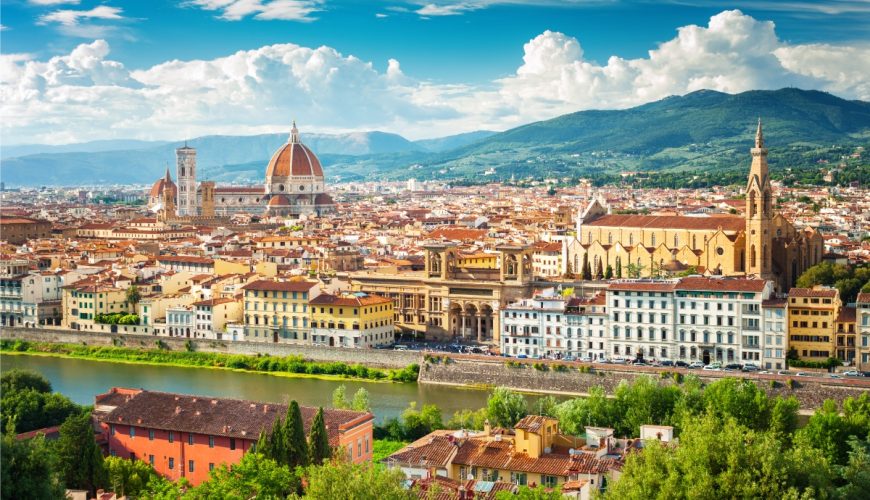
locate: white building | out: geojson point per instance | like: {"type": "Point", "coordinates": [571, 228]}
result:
{"type": "Point", "coordinates": [535, 327]}
{"type": "Point", "coordinates": [774, 327]}
{"type": "Point", "coordinates": [180, 321]}
{"type": "Point", "coordinates": [862, 321]}
{"type": "Point", "coordinates": [587, 328]}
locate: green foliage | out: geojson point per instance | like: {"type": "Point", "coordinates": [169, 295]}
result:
{"type": "Point", "coordinates": [254, 476]}
{"type": "Point", "coordinates": [828, 363]}
{"type": "Point", "coordinates": [129, 477]}
{"type": "Point", "coordinates": [382, 448]}
{"type": "Point", "coordinates": [28, 403]}
{"type": "Point", "coordinates": [829, 432]}
{"type": "Point", "coordinates": [133, 295]}
{"type": "Point", "coordinates": [856, 473]}
{"type": "Point", "coordinates": [339, 398]}
{"type": "Point", "coordinates": [161, 355]}
{"type": "Point", "coordinates": [28, 469]}
{"type": "Point", "coordinates": [541, 367]}
{"type": "Point", "coordinates": [546, 406]}
{"type": "Point", "coordinates": [848, 279]}
{"type": "Point", "coordinates": [514, 364]}
{"type": "Point", "coordinates": [80, 460]}
{"type": "Point", "coordinates": [19, 380]}
{"type": "Point", "coordinates": [527, 493]}
{"type": "Point", "coordinates": [361, 400]}
{"type": "Point", "coordinates": [319, 449]}
{"type": "Point", "coordinates": [468, 419]}
{"type": "Point", "coordinates": [341, 479]}
{"type": "Point", "coordinates": [412, 423]}
{"type": "Point", "coordinates": [505, 407]}
{"type": "Point", "coordinates": [297, 453]}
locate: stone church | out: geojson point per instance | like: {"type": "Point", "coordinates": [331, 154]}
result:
{"type": "Point", "coordinates": [760, 243]}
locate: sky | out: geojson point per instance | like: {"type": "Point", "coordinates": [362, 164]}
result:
{"type": "Point", "coordinates": [80, 70]}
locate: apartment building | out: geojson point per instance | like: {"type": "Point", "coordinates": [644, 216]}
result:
{"type": "Point", "coordinates": [775, 331]}
{"type": "Point", "coordinates": [212, 316]}
{"type": "Point", "coordinates": [586, 330]}
{"type": "Point", "coordinates": [845, 330]}
{"type": "Point", "coordinates": [85, 299]}
{"type": "Point", "coordinates": [812, 315]}
{"type": "Point", "coordinates": [356, 320]}
{"type": "Point", "coordinates": [277, 311]}
{"type": "Point", "coordinates": [691, 319]}
{"type": "Point", "coordinates": [535, 327]}
{"type": "Point", "coordinates": [862, 323]}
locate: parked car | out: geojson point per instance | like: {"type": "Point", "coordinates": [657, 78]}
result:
{"type": "Point", "coordinates": [732, 367]}
{"type": "Point", "coordinates": [783, 372]}
{"type": "Point", "coordinates": [835, 375]}
{"type": "Point", "coordinates": [804, 374]}
{"type": "Point", "coordinates": [569, 358]}
{"type": "Point", "coordinates": [522, 356]}
{"type": "Point", "coordinates": [639, 363]}
{"type": "Point", "coordinates": [853, 373]}
{"type": "Point", "coordinates": [749, 367]}
{"type": "Point", "coordinates": [667, 363]}
{"type": "Point", "coordinates": [681, 364]}
{"type": "Point", "coordinates": [713, 367]}
{"type": "Point", "coordinates": [588, 359]}
{"type": "Point", "coordinates": [696, 364]}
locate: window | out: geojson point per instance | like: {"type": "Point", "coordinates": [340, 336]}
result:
{"type": "Point", "coordinates": [151, 460]}
{"type": "Point", "coordinates": [171, 463]}
{"type": "Point", "coordinates": [132, 431]}
{"type": "Point", "coordinates": [171, 436]}
{"type": "Point", "coordinates": [190, 466]}
{"type": "Point", "coordinates": [232, 443]}
{"type": "Point", "coordinates": [359, 448]}
{"type": "Point", "coordinates": [211, 441]}
{"type": "Point", "coordinates": [112, 429]}
{"type": "Point", "coordinates": [210, 466]}
{"type": "Point", "coordinates": [549, 481]}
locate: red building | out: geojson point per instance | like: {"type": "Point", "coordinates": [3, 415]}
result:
{"type": "Point", "coordinates": [187, 436]}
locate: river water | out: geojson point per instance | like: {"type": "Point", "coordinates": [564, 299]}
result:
{"type": "Point", "coordinates": [81, 380]}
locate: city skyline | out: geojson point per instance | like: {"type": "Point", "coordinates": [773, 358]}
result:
{"type": "Point", "coordinates": [79, 70]}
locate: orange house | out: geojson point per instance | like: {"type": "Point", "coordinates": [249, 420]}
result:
{"type": "Point", "coordinates": [187, 436]}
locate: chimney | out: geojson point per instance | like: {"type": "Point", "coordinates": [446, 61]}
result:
{"type": "Point", "coordinates": [177, 410]}
{"type": "Point", "coordinates": [265, 408]}
{"type": "Point", "coordinates": [487, 428]}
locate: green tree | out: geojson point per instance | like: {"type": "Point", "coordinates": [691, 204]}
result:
{"type": "Point", "coordinates": [468, 419]}
{"type": "Point", "coordinates": [19, 380]}
{"type": "Point", "coordinates": [641, 402]}
{"type": "Point", "coordinates": [254, 476]}
{"type": "Point", "coordinates": [417, 423]}
{"type": "Point", "coordinates": [608, 273]}
{"type": "Point", "coordinates": [596, 410]}
{"type": "Point", "coordinates": [587, 269]}
{"type": "Point", "coordinates": [29, 410]}
{"type": "Point", "coordinates": [361, 400]}
{"type": "Point", "coordinates": [366, 481]}
{"type": "Point", "coordinates": [546, 406]}
{"type": "Point", "coordinates": [133, 295]}
{"type": "Point", "coordinates": [297, 445]}
{"type": "Point", "coordinates": [339, 398]}
{"type": "Point", "coordinates": [80, 459]}
{"type": "Point", "coordinates": [129, 477]}
{"type": "Point", "coordinates": [318, 440]}
{"type": "Point", "coordinates": [619, 267]}
{"type": "Point", "coordinates": [741, 399]}
{"type": "Point", "coordinates": [505, 407]}
{"type": "Point", "coordinates": [28, 469]}
{"type": "Point", "coordinates": [526, 493]}
{"type": "Point", "coordinates": [856, 473]}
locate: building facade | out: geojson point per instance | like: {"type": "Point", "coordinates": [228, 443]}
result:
{"type": "Point", "coordinates": [355, 320]}
{"type": "Point", "coordinates": [277, 311]}
{"type": "Point", "coordinates": [862, 320]}
{"type": "Point", "coordinates": [812, 314]}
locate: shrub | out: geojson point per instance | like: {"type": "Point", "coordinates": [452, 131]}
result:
{"type": "Point", "coordinates": [773, 384]}
{"type": "Point", "coordinates": [560, 368]}
{"type": "Point", "coordinates": [541, 367]}
{"type": "Point", "coordinates": [790, 383]}
{"type": "Point", "coordinates": [188, 346]}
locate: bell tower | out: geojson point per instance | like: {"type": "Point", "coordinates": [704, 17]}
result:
{"type": "Point", "coordinates": [185, 163]}
{"type": "Point", "coordinates": [759, 212]}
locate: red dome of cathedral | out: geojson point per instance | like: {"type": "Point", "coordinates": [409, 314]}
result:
{"type": "Point", "coordinates": [294, 159]}
{"type": "Point", "coordinates": [160, 185]}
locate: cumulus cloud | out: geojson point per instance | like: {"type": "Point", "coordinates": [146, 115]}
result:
{"type": "Point", "coordinates": [285, 10]}
{"type": "Point", "coordinates": [53, 2]}
{"type": "Point", "coordinates": [87, 95]}
{"type": "Point", "coordinates": [449, 9]}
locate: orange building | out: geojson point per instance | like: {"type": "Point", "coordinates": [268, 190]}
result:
{"type": "Point", "coordinates": [187, 436]}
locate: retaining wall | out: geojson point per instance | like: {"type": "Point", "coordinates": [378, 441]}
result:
{"type": "Point", "coordinates": [368, 357]}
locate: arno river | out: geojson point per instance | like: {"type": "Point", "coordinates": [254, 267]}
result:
{"type": "Point", "coordinates": [81, 379]}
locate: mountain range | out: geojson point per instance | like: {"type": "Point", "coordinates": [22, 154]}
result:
{"type": "Point", "coordinates": [702, 130]}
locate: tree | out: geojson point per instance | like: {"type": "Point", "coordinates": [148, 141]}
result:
{"type": "Point", "coordinates": [416, 424]}
{"type": "Point", "coordinates": [546, 406]}
{"type": "Point", "coordinates": [608, 273]}
{"type": "Point", "coordinates": [505, 407]}
{"type": "Point", "coordinates": [856, 473]}
{"type": "Point", "coordinates": [29, 410]}
{"type": "Point", "coordinates": [28, 469]}
{"type": "Point", "coordinates": [634, 270]}
{"type": "Point", "coordinates": [361, 400]}
{"type": "Point", "coordinates": [129, 477]}
{"type": "Point", "coordinates": [133, 295]}
{"type": "Point", "coordinates": [19, 380]}
{"type": "Point", "coordinates": [339, 398]}
{"type": "Point", "coordinates": [318, 440]}
{"type": "Point", "coordinates": [297, 446]}
{"type": "Point", "coordinates": [468, 419]}
{"type": "Point", "coordinates": [80, 459]}
{"type": "Point", "coordinates": [526, 493]}
{"type": "Point", "coordinates": [741, 399]}
{"type": "Point", "coordinates": [619, 267]}
{"type": "Point", "coordinates": [254, 476]}
{"type": "Point", "coordinates": [587, 269]}
{"type": "Point", "coordinates": [342, 479]}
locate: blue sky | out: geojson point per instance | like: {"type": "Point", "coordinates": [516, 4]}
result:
{"type": "Point", "coordinates": [456, 66]}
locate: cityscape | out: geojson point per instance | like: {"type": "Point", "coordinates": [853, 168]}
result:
{"type": "Point", "coordinates": [263, 264]}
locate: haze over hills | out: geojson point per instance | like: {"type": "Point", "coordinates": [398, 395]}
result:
{"type": "Point", "coordinates": [703, 130]}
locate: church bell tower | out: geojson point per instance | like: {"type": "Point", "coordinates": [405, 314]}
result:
{"type": "Point", "coordinates": [759, 212]}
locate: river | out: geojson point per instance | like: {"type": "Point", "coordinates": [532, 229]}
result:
{"type": "Point", "coordinates": [81, 379]}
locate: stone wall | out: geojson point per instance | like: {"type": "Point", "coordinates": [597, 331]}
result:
{"type": "Point", "coordinates": [525, 377]}
{"type": "Point", "coordinates": [369, 357]}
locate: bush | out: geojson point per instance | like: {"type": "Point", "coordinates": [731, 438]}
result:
{"type": "Point", "coordinates": [560, 368]}
{"type": "Point", "coordinates": [773, 384]}
{"type": "Point", "coordinates": [541, 367]}
{"type": "Point", "coordinates": [790, 383]}
{"type": "Point", "coordinates": [514, 364]}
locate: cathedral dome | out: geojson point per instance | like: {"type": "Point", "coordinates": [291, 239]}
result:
{"type": "Point", "coordinates": [161, 184]}
{"type": "Point", "coordinates": [279, 201]}
{"type": "Point", "coordinates": [294, 159]}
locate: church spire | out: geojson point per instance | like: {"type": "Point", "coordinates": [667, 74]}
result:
{"type": "Point", "coordinates": [167, 177]}
{"type": "Point", "coordinates": [759, 136]}
{"type": "Point", "coordinates": [294, 134]}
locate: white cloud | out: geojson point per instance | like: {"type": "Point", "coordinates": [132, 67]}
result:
{"type": "Point", "coordinates": [285, 10]}
{"type": "Point", "coordinates": [448, 9]}
{"type": "Point", "coordinates": [73, 17]}
{"type": "Point", "coordinates": [86, 95]}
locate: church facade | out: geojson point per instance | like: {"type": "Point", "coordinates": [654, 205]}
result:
{"type": "Point", "coordinates": [761, 243]}
{"type": "Point", "coordinates": [294, 186]}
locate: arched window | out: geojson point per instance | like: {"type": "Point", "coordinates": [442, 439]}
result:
{"type": "Point", "coordinates": [589, 237]}
{"type": "Point", "coordinates": [694, 242]}
{"type": "Point", "coordinates": [609, 238]}
{"type": "Point", "coordinates": [631, 239]}
{"type": "Point", "coordinates": [653, 239]}
{"type": "Point", "coordinates": [752, 256]}
{"type": "Point", "coordinates": [676, 241]}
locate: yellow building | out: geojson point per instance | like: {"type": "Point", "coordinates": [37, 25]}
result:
{"type": "Point", "coordinates": [277, 311]}
{"type": "Point", "coordinates": [812, 315]}
{"type": "Point", "coordinates": [85, 299]}
{"type": "Point", "coordinates": [354, 320]}
{"type": "Point", "coordinates": [477, 260]}
{"type": "Point", "coordinates": [761, 243]}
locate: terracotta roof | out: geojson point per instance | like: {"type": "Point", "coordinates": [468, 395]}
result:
{"type": "Point", "coordinates": [722, 284]}
{"type": "Point", "coordinates": [863, 298]}
{"type": "Point", "coordinates": [326, 299]}
{"type": "Point", "coordinates": [185, 258]}
{"type": "Point", "coordinates": [812, 292]}
{"type": "Point", "coordinates": [294, 159]}
{"type": "Point", "coordinates": [457, 233]}
{"type": "Point", "coordinates": [534, 423]}
{"type": "Point", "coordinates": [280, 286]}
{"type": "Point", "coordinates": [847, 315]}
{"type": "Point", "coordinates": [727, 223]}
{"type": "Point", "coordinates": [436, 451]}
{"type": "Point", "coordinates": [643, 285]}
{"type": "Point", "coordinates": [235, 418]}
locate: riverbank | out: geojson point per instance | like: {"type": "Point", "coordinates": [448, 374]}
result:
{"type": "Point", "coordinates": [286, 366]}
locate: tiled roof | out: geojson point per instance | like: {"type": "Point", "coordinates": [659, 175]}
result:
{"type": "Point", "coordinates": [722, 284]}
{"type": "Point", "coordinates": [326, 299]}
{"type": "Point", "coordinates": [863, 298]}
{"type": "Point", "coordinates": [727, 223]}
{"type": "Point", "coordinates": [280, 286]}
{"type": "Point", "coordinates": [533, 423]}
{"type": "Point", "coordinates": [847, 315]}
{"type": "Point", "coordinates": [235, 418]}
{"type": "Point", "coordinates": [435, 451]}
{"type": "Point", "coordinates": [812, 292]}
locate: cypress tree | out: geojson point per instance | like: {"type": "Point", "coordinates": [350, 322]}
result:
{"type": "Point", "coordinates": [587, 269]}
{"type": "Point", "coordinates": [619, 267]}
{"type": "Point", "coordinates": [294, 434]}
{"type": "Point", "coordinates": [318, 440]}
{"type": "Point", "coordinates": [264, 444]}
{"type": "Point", "coordinates": [278, 442]}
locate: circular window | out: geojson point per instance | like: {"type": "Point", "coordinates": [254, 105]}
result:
{"type": "Point", "coordinates": [779, 232]}
{"type": "Point", "coordinates": [223, 200]}
{"type": "Point", "coordinates": [257, 200]}
{"type": "Point", "coordinates": [302, 188]}
{"type": "Point", "coordinates": [240, 200]}
{"type": "Point", "coordinates": [720, 250]}
{"type": "Point", "coordinates": [280, 187]}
